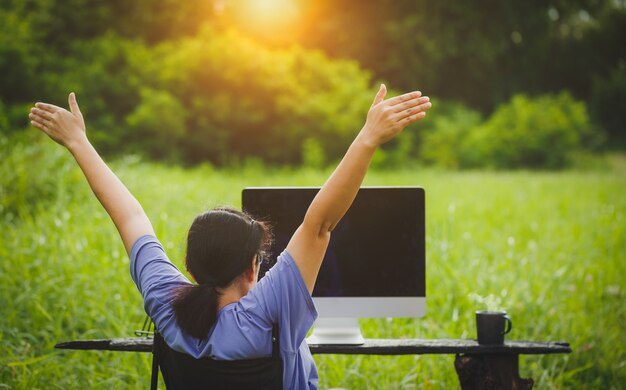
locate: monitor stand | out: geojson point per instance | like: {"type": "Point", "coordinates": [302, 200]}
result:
{"type": "Point", "coordinates": [343, 331]}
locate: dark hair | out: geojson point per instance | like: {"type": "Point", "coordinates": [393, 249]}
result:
{"type": "Point", "coordinates": [220, 246]}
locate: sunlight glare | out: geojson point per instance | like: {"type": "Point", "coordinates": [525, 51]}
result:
{"type": "Point", "coordinates": [271, 20]}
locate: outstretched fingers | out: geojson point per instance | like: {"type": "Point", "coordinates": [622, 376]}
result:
{"type": "Point", "coordinates": [51, 108]}
{"type": "Point", "coordinates": [415, 109]}
{"type": "Point", "coordinates": [409, 104]}
{"type": "Point", "coordinates": [39, 113]}
{"type": "Point", "coordinates": [40, 118]}
{"type": "Point", "coordinates": [403, 98]}
{"type": "Point", "coordinates": [412, 118]}
{"type": "Point", "coordinates": [38, 123]}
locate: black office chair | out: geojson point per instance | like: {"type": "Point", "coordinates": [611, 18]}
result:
{"type": "Point", "coordinates": [182, 371]}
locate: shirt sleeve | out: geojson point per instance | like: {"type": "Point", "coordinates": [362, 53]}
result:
{"type": "Point", "coordinates": [155, 277]}
{"type": "Point", "coordinates": [284, 298]}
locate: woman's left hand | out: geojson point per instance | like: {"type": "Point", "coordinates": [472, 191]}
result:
{"type": "Point", "coordinates": [63, 126]}
{"type": "Point", "coordinates": [387, 118]}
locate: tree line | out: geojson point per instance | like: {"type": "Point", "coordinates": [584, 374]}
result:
{"type": "Point", "coordinates": [182, 81]}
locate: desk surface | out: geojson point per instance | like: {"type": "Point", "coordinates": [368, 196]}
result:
{"type": "Point", "coordinates": [371, 347]}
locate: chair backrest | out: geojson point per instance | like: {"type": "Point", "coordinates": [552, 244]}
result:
{"type": "Point", "coordinates": [182, 371]}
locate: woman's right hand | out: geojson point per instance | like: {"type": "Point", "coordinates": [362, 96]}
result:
{"type": "Point", "coordinates": [64, 127]}
{"type": "Point", "coordinates": [387, 118]}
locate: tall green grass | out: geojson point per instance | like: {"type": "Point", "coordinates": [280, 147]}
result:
{"type": "Point", "coordinates": [547, 247]}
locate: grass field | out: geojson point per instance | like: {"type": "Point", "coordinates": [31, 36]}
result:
{"type": "Point", "coordinates": [548, 247]}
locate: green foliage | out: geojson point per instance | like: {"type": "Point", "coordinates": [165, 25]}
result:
{"type": "Point", "coordinates": [243, 100]}
{"type": "Point", "coordinates": [157, 125]}
{"type": "Point", "coordinates": [4, 120]}
{"type": "Point", "coordinates": [34, 170]}
{"type": "Point", "coordinates": [59, 23]}
{"type": "Point", "coordinates": [107, 75]}
{"type": "Point", "coordinates": [608, 106]}
{"type": "Point", "coordinates": [399, 152]}
{"type": "Point", "coordinates": [443, 142]}
{"type": "Point", "coordinates": [18, 56]}
{"type": "Point", "coordinates": [217, 97]}
{"type": "Point", "coordinates": [313, 154]}
{"type": "Point", "coordinates": [477, 53]}
{"type": "Point", "coordinates": [529, 133]}
{"type": "Point", "coordinates": [226, 98]}
{"type": "Point", "coordinates": [545, 132]}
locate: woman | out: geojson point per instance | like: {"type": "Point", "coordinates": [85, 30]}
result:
{"type": "Point", "coordinates": [227, 315]}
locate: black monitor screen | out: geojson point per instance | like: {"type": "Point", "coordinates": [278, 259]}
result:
{"type": "Point", "coordinates": [377, 250]}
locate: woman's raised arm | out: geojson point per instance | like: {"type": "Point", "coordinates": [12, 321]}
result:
{"type": "Point", "coordinates": [68, 129]}
{"type": "Point", "coordinates": [385, 120]}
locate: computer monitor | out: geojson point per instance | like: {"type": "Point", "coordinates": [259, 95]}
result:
{"type": "Point", "coordinates": [374, 265]}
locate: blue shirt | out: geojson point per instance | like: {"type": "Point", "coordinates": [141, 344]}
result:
{"type": "Point", "coordinates": [243, 329]}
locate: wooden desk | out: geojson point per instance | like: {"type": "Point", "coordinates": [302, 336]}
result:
{"type": "Point", "coordinates": [477, 366]}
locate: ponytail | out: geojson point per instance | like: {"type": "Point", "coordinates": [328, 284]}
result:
{"type": "Point", "coordinates": [195, 307]}
{"type": "Point", "coordinates": [220, 247]}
